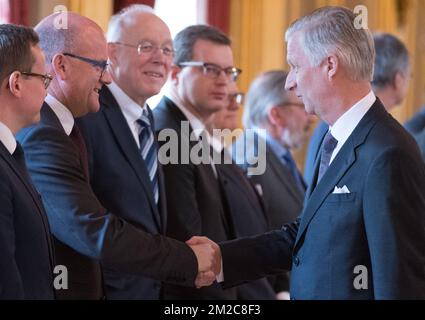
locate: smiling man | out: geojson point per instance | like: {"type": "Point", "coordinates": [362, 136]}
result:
{"type": "Point", "coordinates": [86, 234]}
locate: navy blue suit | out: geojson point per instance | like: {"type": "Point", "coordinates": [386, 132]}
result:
{"type": "Point", "coordinates": [120, 180]}
{"type": "Point", "coordinates": [26, 252]}
{"type": "Point", "coordinates": [380, 224]}
{"type": "Point", "coordinates": [85, 233]}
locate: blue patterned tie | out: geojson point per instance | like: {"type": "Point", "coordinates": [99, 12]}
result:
{"type": "Point", "coordinates": [290, 163]}
{"type": "Point", "coordinates": [329, 144]}
{"type": "Point", "coordinates": [148, 151]}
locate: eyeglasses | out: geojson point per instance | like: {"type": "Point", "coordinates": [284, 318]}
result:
{"type": "Point", "coordinates": [212, 70]}
{"type": "Point", "coordinates": [47, 78]}
{"type": "Point", "coordinates": [101, 64]}
{"type": "Point", "coordinates": [238, 97]}
{"type": "Point", "coordinates": [291, 104]}
{"type": "Point", "coordinates": [146, 47]}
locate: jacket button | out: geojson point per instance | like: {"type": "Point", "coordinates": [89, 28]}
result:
{"type": "Point", "coordinates": [296, 261]}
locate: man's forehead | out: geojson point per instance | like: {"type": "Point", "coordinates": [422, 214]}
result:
{"type": "Point", "coordinates": [212, 52]}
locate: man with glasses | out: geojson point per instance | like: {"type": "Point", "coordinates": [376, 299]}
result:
{"type": "Point", "coordinates": [85, 233]}
{"type": "Point", "coordinates": [27, 262]}
{"type": "Point", "coordinates": [198, 87]}
{"type": "Point", "coordinates": [120, 138]}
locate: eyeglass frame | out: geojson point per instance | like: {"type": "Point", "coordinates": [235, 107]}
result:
{"type": "Point", "coordinates": [102, 64]}
{"type": "Point", "coordinates": [47, 78]}
{"type": "Point", "coordinates": [294, 104]}
{"type": "Point", "coordinates": [150, 51]}
{"type": "Point", "coordinates": [234, 75]}
{"type": "Point", "coordinates": [239, 97]}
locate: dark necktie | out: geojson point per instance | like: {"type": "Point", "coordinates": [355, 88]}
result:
{"type": "Point", "coordinates": [19, 157]}
{"type": "Point", "coordinates": [149, 152]}
{"type": "Point", "coordinates": [78, 140]}
{"type": "Point", "coordinates": [329, 144]}
{"type": "Point", "coordinates": [291, 165]}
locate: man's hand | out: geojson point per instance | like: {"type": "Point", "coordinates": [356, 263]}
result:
{"type": "Point", "coordinates": [208, 255]}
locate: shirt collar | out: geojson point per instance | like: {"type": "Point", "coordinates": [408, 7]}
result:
{"type": "Point", "coordinates": [131, 109]}
{"type": "Point", "coordinates": [346, 124]}
{"type": "Point", "coordinates": [64, 115]}
{"type": "Point", "coordinates": [196, 124]}
{"type": "Point", "coordinates": [7, 138]}
{"type": "Point", "coordinates": [276, 147]}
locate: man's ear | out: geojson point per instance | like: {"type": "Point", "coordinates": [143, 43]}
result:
{"type": "Point", "coordinates": [275, 117]}
{"type": "Point", "coordinates": [332, 65]}
{"type": "Point", "coordinates": [399, 80]}
{"type": "Point", "coordinates": [15, 84]}
{"type": "Point", "coordinates": [174, 74]}
{"type": "Point", "coordinates": [60, 66]}
{"type": "Point", "coordinates": [112, 53]}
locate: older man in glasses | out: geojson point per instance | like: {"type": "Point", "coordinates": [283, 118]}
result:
{"type": "Point", "coordinates": [26, 263]}
{"type": "Point", "coordinates": [87, 234]}
{"type": "Point", "coordinates": [198, 87]}
{"type": "Point", "coordinates": [125, 174]}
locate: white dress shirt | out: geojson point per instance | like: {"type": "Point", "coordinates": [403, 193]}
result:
{"type": "Point", "coordinates": [131, 109]}
{"type": "Point", "coordinates": [65, 116]}
{"type": "Point", "coordinates": [7, 138]}
{"type": "Point", "coordinates": [345, 125]}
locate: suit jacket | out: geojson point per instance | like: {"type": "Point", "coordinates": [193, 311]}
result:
{"type": "Point", "coordinates": [416, 124]}
{"type": "Point", "coordinates": [26, 263]}
{"type": "Point", "coordinates": [85, 232]}
{"type": "Point", "coordinates": [313, 150]}
{"type": "Point", "coordinates": [120, 180]}
{"type": "Point", "coordinates": [379, 225]}
{"type": "Point", "coordinates": [249, 218]}
{"type": "Point", "coordinates": [283, 201]}
{"type": "Point", "coordinates": [195, 202]}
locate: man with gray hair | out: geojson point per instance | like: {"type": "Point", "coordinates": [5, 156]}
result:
{"type": "Point", "coordinates": [391, 77]}
{"type": "Point", "coordinates": [362, 229]}
{"type": "Point", "coordinates": [86, 234]}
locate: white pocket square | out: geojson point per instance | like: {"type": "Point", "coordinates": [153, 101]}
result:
{"type": "Point", "coordinates": [344, 189]}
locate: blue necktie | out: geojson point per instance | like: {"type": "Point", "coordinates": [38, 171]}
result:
{"type": "Point", "coordinates": [290, 163]}
{"type": "Point", "coordinates": [148, 151]}
{"type": "Point", "coordinates": [329, 144]}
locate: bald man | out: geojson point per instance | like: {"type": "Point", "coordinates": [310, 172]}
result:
{"type": "Point", "coordinates": [86, 234]}
{"type": "Point", "coordinates": [140, 51]}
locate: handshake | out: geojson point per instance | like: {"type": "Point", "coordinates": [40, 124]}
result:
{"type": "Point", "coordinates": [208, 254]}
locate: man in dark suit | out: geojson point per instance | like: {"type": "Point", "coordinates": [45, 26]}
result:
{"type": "Point", "coordinates": [26, 263]}
{"type": "Point", "coordinates": [243, 201]}
{"type": "Point", "coordinates": [85, 233]}
{"type": "Point", "coordinates": [284, 124]}
{"type": "Point", "coordinates": [121, 181]}
{"type": "Point", "coordinates": [362, 230]}
{"type": "Point", "coordinates": [198, 87]}
{"type": "Point", "coordinates": [391, 78]}
{"type": "Point", "coordinates": [416, 124]}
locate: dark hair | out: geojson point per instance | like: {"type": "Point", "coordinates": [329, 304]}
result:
{"type": "Point", "coordinates": [185, 40]}
{"type": "Point", "coordinates": [391, 57]}
{"type": "Point", "coordinates": [15, 49]}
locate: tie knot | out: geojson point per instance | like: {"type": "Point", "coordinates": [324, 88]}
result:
{"type": "Point", "coordinates": [329, 143]}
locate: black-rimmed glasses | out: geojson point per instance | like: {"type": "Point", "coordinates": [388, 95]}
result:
{"type": "Point", "coordinates": [101, 64]}
{"type": "Point", "coordinates": [47, 78]}
{"type": "Point", "coordinates": [146, 47]}
{"type": "Point", "coordinates": [238, 97]}
{"type": "Point", "coordinates": [212, 70]}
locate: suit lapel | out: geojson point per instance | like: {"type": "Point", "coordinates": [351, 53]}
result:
{"type": "Point", "coordinates": [129, 148]}
{"type": "Point", "coordinates": [339, 166]}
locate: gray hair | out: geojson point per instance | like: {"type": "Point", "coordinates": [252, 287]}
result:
{"type": "Point", "coordinates": [391, 58]}
{"type": "Point", "coordinates": [331, 30]}
{"type": "Point", "coordinates": [266, 91]}
{"type": "Point", "coordinates": [185, 40]}
{"type": "Point", "coordinates": [117, 21]}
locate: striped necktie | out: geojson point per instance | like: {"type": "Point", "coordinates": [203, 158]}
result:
{"type": "Point", "coordinates": [148, 151]}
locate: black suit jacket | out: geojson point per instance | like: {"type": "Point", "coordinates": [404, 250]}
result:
{"type": "Point", "coordinates": [247, 212]}
{"type": "Point", "coordinates": [120, 180]}
{"type": "Point", "coordinates": [379, 226]}
{"type": "Point", "coordinates": [195, 201]}
{"type": "Point", "coordinates": [86, 233]}
{"type": "Point", "coordinates": [26, 263]}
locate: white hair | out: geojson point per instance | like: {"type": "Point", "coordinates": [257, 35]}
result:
{"type": "Point", "coordinates": [331, 30]}
{"type": "Point", "coordinates": [117, 21]}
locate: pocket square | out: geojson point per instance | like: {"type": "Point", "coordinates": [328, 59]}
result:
{"type": "Point", "coordinates": [259, 189]}
{"type": "Point", "coordinates": [344, 189]}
